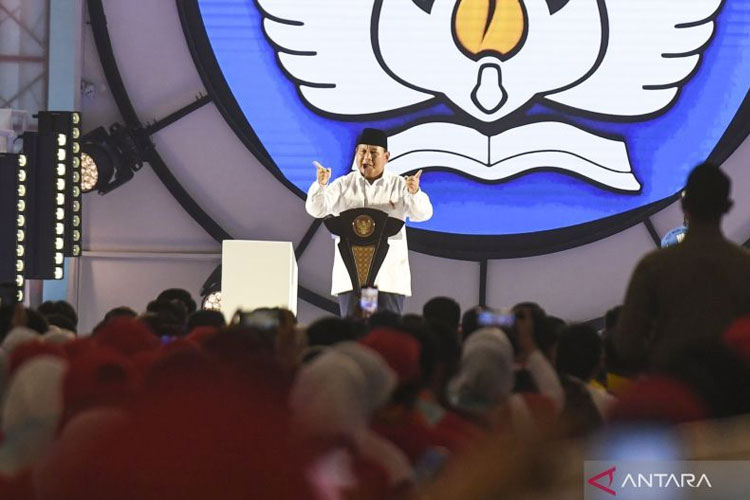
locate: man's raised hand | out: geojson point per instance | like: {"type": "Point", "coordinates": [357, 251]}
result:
{"type": "Point", "coordinates": [324, 174]}
{"type": "Point", "coordinates": [412, 182]}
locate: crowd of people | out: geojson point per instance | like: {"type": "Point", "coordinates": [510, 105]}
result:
{"type": "Point", "coordinates": [172, 402]}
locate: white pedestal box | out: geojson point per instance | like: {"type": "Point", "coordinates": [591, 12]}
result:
{"type": "Point", "coordinates": [257, 274]}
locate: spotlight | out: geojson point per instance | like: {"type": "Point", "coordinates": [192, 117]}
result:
{"type": "Point", "coordinates": [211, 291]}
{"type": "Point", "coordinates": [212, 302]}
{"type": "Point", "coordinates": [109, 159]}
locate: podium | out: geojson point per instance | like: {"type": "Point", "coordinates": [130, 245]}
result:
{"type": "Point", "coordinates": [364, 234]}
{"type": "Point", "coordinates": [257, 274]}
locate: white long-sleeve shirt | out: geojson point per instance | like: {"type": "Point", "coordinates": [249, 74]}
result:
{"type": "Point", "coordinates": [388, 194]}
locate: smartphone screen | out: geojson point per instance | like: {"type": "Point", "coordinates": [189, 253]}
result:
{"type": "Point", "coordinates": [368, 300]}
{"type": "Point", "coordinates": [504, 318]}
{"type": "Point", "coordinates": [262, 319]}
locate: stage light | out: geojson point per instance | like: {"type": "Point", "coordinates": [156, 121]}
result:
{"type": "Point", "coordinates": [212, 302]}
{"type": "Point", "coordinates": [65, 128]}
{"type": "Point", "coordinates": [90, 173]}
{"type": "Point", "coordinates": [211, 291]}
{"type": "Point", "coordinates": [110, 158]}
{"type": "Point", "coordinates": [13, 192]}
{"type": "Point", "coordinates": [44, 206]}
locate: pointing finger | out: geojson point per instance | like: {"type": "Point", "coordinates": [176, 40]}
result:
{"type": "Point", "coordinates": [318, 165]}
{"type": "Point", "coordinates": [418, 174]}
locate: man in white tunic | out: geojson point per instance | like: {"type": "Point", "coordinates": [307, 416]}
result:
{"type": "Point", "coordinates": [372, 186]}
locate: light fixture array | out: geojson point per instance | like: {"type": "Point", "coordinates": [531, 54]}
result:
{"type": "Point", "coordinates": [13, 206]}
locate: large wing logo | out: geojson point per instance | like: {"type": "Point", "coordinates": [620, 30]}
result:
{"type": "Point", "coordinates": [488, 59]}
{"type": "Point", "coordinates": [325, 47]}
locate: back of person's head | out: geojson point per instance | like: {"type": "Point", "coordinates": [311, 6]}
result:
{"type": "Point", "coordinates": [470, 321]}
{"type": "Point", "coordinates": [330, 330]}
{"type": "Point", "coordinates": [706, 195]}
{"type": "Point", "coordinates": [546, 328]}
{"type": "Point", "coordinates": [579, 351]}
{"type": "Point", "coordinates": [127, 336]}
{"type": "Point", "coordinates": [114, 314]}
{"type": "Point", "coordinates": [120, 311]}
{"type": "Point", "coordinates": [167, 317]}
{"type": "Point", "coordinates": [448, 347]}
{"type": "Point", "coordinates": [180, 295]}
{"type": "Point", "coordinates": [36, 321]}
{"type": "Point", "coordinates": [60, 321]}
{"type": "Point", "coordinates": [384, 318]}
{"type": "Point", "coordinates": [419, 329]}
{"type": "Point", "coordinates": [486, 373]}
{"type": "Point", "coordinates": [611, 318]}
{"type": "Point", "coordinates": [59, 308]}
{"type": "Point", "coordinates": [241, 347]}
{"type": "Point", "coordinates": [205, 318]}
{"type": "Point", "coordinates": [443, 309]}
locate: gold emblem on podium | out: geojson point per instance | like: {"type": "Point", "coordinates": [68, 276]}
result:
{"type": "Point", "coordinates": [363, 226]}
{"type": "Point", "coordinates": [363, 261]}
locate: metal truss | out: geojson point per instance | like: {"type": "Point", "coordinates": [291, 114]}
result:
{"type": "Point", "coordinates": [23, 60]}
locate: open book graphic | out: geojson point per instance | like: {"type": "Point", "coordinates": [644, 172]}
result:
{"type": "Point", "coordinates": [542, 145]}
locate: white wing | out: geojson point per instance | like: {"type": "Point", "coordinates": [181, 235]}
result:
{"type": "Point", "coordinates": [326, 49]}
{"type": "Point", "coordinates": [654, 48]}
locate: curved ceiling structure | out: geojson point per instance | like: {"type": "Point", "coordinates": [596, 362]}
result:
{"type": "Point", "coordinates": [155, 63]}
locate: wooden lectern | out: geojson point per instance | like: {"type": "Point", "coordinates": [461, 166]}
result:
{"type": "Point", "coordinates": [364, 234]}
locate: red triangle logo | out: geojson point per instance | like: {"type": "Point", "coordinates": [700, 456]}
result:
{"type": "Point", "coordinates": [610, 473]}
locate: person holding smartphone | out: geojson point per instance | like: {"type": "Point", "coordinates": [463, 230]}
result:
{"type": "Point", "coordinates": [372, 186]}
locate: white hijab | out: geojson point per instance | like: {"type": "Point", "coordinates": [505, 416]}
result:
{"type": "Point", "coordinates": [485, 376]}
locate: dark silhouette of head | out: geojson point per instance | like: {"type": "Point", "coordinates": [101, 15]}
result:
{"type": "Point", "coordinates": [57, 308]}
{"type": "Point", "coordinates": [180, 295]}
{"type": "Point", "coordinates": [579, 351]}
{"type": "Point", "coordinates": [331, 330]}
{"type": "Point", "coordinates": [706, 196]}
{"type": "Point", "coordinates": [611, 318]}
{"type": "Point", "coordinates": [470, 322]}
{"type": "Point", "coordinates": [443, 309]}
{"type": "Point", "coordinates": [205, 318]}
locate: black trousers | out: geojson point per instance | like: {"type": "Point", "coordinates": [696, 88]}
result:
{"type": "Point", "coordinates": [386, 302]}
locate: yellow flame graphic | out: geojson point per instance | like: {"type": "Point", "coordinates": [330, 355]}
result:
{"type": "Point", "coordinates": [477, 32]}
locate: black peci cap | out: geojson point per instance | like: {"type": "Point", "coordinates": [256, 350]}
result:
{"type": "Point", "coordinates": [373, 137]}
